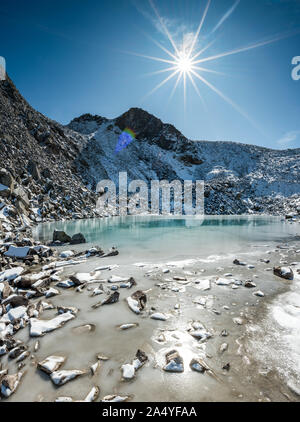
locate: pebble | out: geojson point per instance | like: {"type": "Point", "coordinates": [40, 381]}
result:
{"type": "Point", "coordinates": [159, 316]}
{"type": "Point", "coordinates": [223, 347]}
{"type": "Point", "coordinates": [174, 362]}
{"type": "Point", "coordinates": [259, 293]}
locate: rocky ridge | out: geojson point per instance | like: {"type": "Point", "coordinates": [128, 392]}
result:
{"type": "Point", "coordinates": [239, 178]}
{"type": "Point", "coordinates": [38, 177]}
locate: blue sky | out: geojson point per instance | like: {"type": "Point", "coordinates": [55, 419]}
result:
{"type": "Point", "coordinates": [70, 57]}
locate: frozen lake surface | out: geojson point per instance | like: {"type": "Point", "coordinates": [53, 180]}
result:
{"type": "Point", "coordinates": [163, 237]}
{"type": "Point", "coordinates": [179, 264]}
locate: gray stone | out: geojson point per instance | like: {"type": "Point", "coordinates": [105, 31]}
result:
{"type": "Point", "coordinates": [33, 169]}
{"type": "Point", "coordinates": [6, 178]}
{"type": "Point", "coordinates": [77, 239]}
{"type": "Point", "coordinates": [61, 236]}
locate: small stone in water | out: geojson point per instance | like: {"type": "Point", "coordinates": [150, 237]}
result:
{"type": "Point", "coordinates": [259, 293]}
{"type": "Point", "coordinates": [174, 362]}
{"type": "Point", "coordinates": [198, 365]}
{"type": "Point", "coordinates": [238, 321]}
{"type": "Point", "coordinates": [250, 284]}
{"type": "Point", "coordinates": [223, 347]}
{"type": "Point", "coordinates": [159, 316]}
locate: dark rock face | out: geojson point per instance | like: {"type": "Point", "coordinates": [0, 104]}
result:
{"type": "Point", "coordinates": [77, 239]}
{"type": "Point", "coordinates": [33, 169]}
{"type": "Point", "coordinates": [86, 121]}
{"type": "Point", "coordinates": [35, 152]}
{"type": "Point", "coordinates": [146, 126]}
{"type": "Point", "coordinates": [142, 123]}
{"type": "Point", "coordinates": [6, 178]}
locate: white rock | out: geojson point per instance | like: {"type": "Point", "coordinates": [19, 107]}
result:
{"type": "Point", "coordinates": [11, 274]}
{"type": "Point", "coordinates": [202, 284]}
{"type": "Point", "coordinates": [128, 371]}
{"type": "Point", "coordinates": [127, 326]}
{"type": "Point", "coordinates": [223, 347]}
{"type": "Point", "coordinates": [259, 293]}
{"type": "Point", "coordinates": [92, 395]}
{"type": "Point", "coordinates": [66, 254]}
{"type": "Point", "coordinates": [200, 300]}
{"type": "Point", "coordinates": [22, 356]}
{"type": "Point", "coordinates": [159, 316]}
{"type": "Point", "coordinates": [295, 388]}
{"type": "Point", "coordinates": [17, 313]}
{"type": "Point", "coordinates": [133, 305]}
{"type": "Point", "coordinates": [223, 281]}
{"type": "Point", "coordinates": [51, 292]}
{"type": "Point", "coordinates": [95, 367]}
{"type": "Point", "coordinates": [66, 284]}
{"type": "Point", "coordinates": [114, 399]}
{"type": "Point", "coordinates": [117, 279]}
{"type": "Point", "coordinates": [63, 399]}
{"type": "Point", "coordinates": [97, 291]}
{"type": "Point", "coordinates": [40, 327]}
{"type": "Point", "coordinates": [64, 376]}
{"type": "Point", "coordinates": [201, 334]}
{"type": "Point", "coordinates": [238, 321]}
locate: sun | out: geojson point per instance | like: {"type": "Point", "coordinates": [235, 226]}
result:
{"type": "Point", "coordinates": [183, 63]}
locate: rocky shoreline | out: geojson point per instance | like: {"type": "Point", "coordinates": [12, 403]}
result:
{"type": "Point", "coordinates": [32, 273]}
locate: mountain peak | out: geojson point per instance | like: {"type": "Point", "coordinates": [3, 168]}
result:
{"type": "Point", "coordinates": [144, 124]}
{"type": "Point", "coordinates": [86, 123]}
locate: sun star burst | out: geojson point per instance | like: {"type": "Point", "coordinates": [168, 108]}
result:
{"type": "Point", "coordinates": [184, 60]}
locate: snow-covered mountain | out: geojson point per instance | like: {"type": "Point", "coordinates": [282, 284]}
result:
{"type": "Point", "coordinates": [49, 171]}
{"type": "Point", "coordinates": [239, 178]}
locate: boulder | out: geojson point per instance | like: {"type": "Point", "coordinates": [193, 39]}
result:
{"type": "Point", "coordinates": [77, 239]}
{"type": "Point", "coordinates": [16, 301]}
{"type": "Point", "coordinates": [284, 272]}
{"type": "Point", "coordinates": [33, 169]}
{"type": "Point", "coordinates": [6, 178]}
{"type": "Point", "coordinates": [137, 301]}
{"type": "Point", "coordinates": [22, 198]}
{"type": "Point", "coordinates": [4, 191]}
{"type": "Point", "coordinates": [61, 236]}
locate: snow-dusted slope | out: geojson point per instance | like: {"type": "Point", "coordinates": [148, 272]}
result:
{"type": "Point", "coordinates": [239, 178]}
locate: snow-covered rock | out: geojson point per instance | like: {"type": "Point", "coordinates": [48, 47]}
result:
{"type": "Point", "coordinates": [40, 327]}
